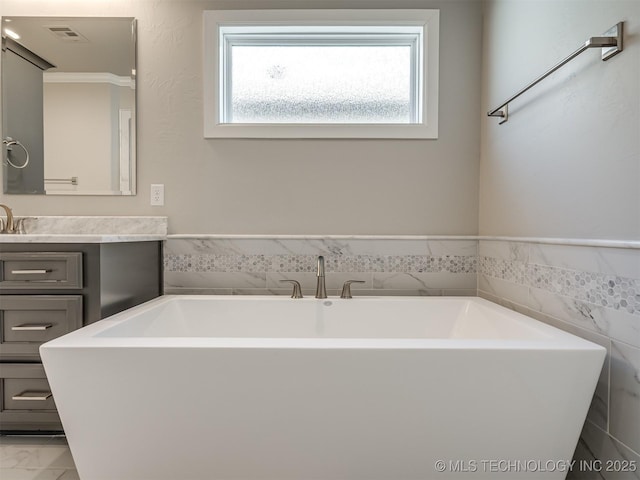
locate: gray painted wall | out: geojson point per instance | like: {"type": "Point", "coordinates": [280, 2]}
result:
{"type": "Point", "coordinates": [285, 186]}
{"type": "Point", "coordinates": [567, 163]}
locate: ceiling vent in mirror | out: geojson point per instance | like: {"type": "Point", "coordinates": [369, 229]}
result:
{"type": "Point", "coordinates": [66, 33]}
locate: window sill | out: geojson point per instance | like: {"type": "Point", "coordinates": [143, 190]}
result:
{"type": "Point", "coordinates": [373, 131]}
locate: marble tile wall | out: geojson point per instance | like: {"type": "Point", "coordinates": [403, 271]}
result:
{"type": "Point", "coordinates": [592, 292]}
{"type": "Point", "coordinates": [393, 266]}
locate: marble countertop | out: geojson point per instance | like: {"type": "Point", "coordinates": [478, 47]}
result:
{"type": "Point", "coordinates": [78, 238]}
{"type": "Point", "coordinates": [89, 229]}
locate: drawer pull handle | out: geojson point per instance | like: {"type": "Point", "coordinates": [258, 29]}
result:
{"type": "Point", "coordinates": [30, 272]}
{"type": "Point", "coordinates": [31, 327]}
{"type": "Point", "coordinates": [33, 396]}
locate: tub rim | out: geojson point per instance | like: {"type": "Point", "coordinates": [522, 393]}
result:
{"type": "Point", "coordinates": [85, 337]}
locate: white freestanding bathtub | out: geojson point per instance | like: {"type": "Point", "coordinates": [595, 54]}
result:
{"type": "Point", "coordinates": [257, 388]}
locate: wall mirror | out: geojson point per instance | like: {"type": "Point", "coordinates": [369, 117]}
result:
{"type": "Point", "coordinates": [69, 105]}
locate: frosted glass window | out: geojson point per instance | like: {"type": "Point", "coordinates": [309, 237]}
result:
{"type": "Point", "coordinates": [321, 73]}
{"type": "Point", "coordinates": [320, 84]}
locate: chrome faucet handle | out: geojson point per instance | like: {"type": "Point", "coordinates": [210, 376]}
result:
{"type": "Point", "coordinates": [346, 288]}
{"type": "Point", "coordinates": [297, 290]}
{"type": "Point", "coordinates": [8, 227]}
{"type": "Point", "coordinates": [20, 226]}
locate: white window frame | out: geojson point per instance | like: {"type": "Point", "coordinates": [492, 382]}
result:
{"type": "Point", "coordinates": [222, 26]}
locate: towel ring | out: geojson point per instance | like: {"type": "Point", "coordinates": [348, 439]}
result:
{"type": "Point", "coordinates": [10, 142]}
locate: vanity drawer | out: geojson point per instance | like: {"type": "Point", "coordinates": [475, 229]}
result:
{"type": "Point", "coordinates": [26, 393]}
{"type": "Point", "coordinates": [25, 398]}
{"type": "Point", "coordinates": [40, 270]}
{"type": "Point", "coordinates": [27, 321]}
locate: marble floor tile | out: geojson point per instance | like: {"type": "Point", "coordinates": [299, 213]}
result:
{"type": "Point", "coordinates": [70, 475]}
{"type": "Point", "coordinates": [36, 458]}
{"type": "Point", "coordinates": [32, 474]}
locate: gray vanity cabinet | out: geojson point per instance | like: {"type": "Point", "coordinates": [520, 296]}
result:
{"type": "Point", "coordinates": [48, 290]}
{"type": "Point", "coordinates": [30, 320]}
{"type": "Point", "coordinates": [40, 270]}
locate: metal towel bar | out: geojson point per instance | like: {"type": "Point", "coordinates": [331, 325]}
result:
{"type": "Point", "coordinates": [610, 43]}
{"type": "Point", "coordinates": [72, 180]}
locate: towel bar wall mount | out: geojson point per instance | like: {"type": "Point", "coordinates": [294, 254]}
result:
{"type": "Point", "coordinates": [610, 44]}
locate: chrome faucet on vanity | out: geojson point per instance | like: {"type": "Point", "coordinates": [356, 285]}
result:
{"type": "Point", "coordinates": [321, 290]}
{"type": "Point", "coordinates": [12, 225]}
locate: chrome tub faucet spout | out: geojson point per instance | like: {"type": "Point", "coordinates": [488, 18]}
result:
{"type": "Point", "coordinates": [321, 290]}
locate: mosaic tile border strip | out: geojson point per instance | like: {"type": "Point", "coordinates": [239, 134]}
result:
{"type": "Point", "coordinates": [509, 270]}
{"type": "Point", "coordinates": [609, 291]}
{"type": "Point", "coordinates": [333, 263]}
